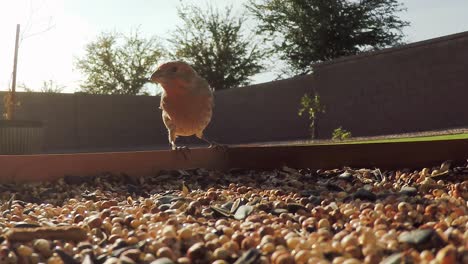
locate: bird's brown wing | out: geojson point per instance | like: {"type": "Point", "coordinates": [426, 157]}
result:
{"type": "Point", "coordinates": [167, 121]}
{"type": "Point", "coordinates": [171, 129]}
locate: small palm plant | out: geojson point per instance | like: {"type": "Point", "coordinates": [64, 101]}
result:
{"type": "Point", "coordinates": [312, 106]}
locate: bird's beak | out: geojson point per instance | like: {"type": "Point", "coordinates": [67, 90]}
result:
{"type": "Point", "coordinates": [155, 77]}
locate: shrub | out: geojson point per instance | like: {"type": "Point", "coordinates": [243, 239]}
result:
{"type": "Point", "coordinates": [341, 134]}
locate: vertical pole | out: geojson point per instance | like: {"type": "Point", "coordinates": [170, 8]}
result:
{"type": "Point", "coordinates": [15, 64]}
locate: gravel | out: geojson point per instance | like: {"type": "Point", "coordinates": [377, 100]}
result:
{"type": "Point", "coordinates": [346, 215]}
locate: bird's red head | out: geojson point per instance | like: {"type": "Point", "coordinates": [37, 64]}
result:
{"type": "Point", "coordinates": [171, 71]}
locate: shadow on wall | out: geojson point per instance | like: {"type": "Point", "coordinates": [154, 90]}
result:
{"type": "Point", "coordinates": [418, 87]}
{"type": "Point", "coordinates": [260, 113]}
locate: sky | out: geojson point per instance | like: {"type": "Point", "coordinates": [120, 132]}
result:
{"type": "Point", "coordinates": [55, 32]}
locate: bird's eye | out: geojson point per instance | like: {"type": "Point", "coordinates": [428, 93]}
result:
{"type": "Point", "coordinates": [174, 69]}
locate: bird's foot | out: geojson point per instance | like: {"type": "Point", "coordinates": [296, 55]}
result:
{"type": "Point", "coordinates": [216, 146]}
{"type": "Point", "coordinates": [182, 149]}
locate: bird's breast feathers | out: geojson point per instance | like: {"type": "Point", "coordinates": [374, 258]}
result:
{"type": "Point", "coordinates": [188, 114]}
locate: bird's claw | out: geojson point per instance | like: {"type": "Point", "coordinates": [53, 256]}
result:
{"type": "Point", "coordinates": [182, 149]}
{"type": "Point", "coordinates": [218, 146]}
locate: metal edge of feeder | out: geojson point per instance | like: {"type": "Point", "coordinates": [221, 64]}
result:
{"type": "Point", "coordinates": [46, 167]}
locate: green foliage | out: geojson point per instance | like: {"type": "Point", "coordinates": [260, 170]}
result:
{"type": "Point", "coordinates": [308, 31]}
{"type": "Point", "coordinates": [312, 106]}
{"type": "Point", "coordinates": [213, 42]}
{"type": "Point", "coordinates": [341, 134]}
{"type": "Point", "coordinates": [49, 86]}
{"type": "Point", "coordinates": [119, 64]}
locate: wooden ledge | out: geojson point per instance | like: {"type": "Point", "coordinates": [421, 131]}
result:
{"type": "Point", "coordinates": [21, 168]}
{"type": "Point", "coordinates": [46, 167]}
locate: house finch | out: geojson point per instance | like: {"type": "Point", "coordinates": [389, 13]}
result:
{"type": "Point", "coordinates": [186, 102]}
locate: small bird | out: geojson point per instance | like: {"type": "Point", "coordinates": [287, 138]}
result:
{"type": "Point", "coordinates": [186, 101]}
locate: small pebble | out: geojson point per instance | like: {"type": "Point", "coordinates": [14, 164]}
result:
{"type": "Point", "coordinates": [163, 261]}
{"type": "Point", "coordinates": [24, 251]}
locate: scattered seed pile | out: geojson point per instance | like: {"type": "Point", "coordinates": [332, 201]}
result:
{"type": "Point", "coordinates": [240, 216]}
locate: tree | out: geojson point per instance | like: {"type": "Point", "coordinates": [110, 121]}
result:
{"type": "Point", "coordinates": [214, 43]}
{"type": "Point", "coordinates": [49, 86]}
{"type": "Point", "coordinates": [119, 64]}
{"type": "Point", "coordinates": [308, 31]}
